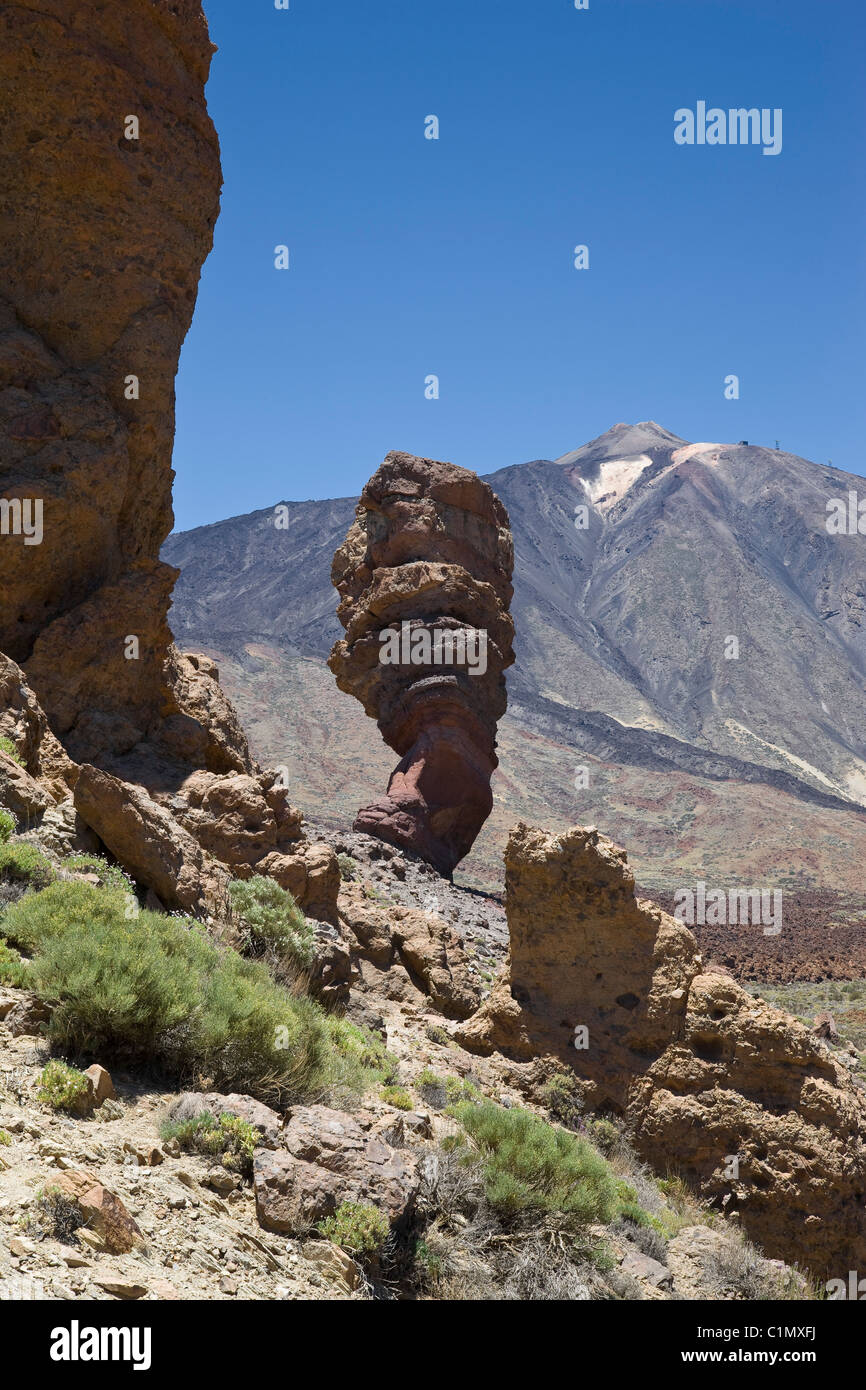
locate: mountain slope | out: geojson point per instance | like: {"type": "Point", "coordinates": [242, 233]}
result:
{"type": "Point", "coordinates": [637, 558]}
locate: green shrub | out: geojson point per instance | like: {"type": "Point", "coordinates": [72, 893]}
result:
{"type": "Point", "coordinates": [13, 970]}
{"type": "Point", "coordinates": [5, 1138]}
{"type": "Point", "coordinates": [457, 1090]}
{"type": "Point", "coordinates": [64, 1087]}
{"type": "Point", "coordinates": [530, 1166]}
{"type": "Point", "coordinates": [25, 864]}
{"type": "Point", "coordinates": [359, 1058]}
{"type": "Point", "coordinates": [154, 989]}
{"type": "Point", "coordinates": [272, 922]}
{"type": "Point", "coordinates": [396, 1096]}
{"type": "Point", "coordinates": [604, 1133]}
{"type": "Point", "coordinates": [229, 1138]}
{"type": "Point", "coordinates": [357, 1227]}
{"type": "Point", "coordinates": [431, 1088]}
{"type": "Point", "coordinates": [7, 825]}
{"type": "Point", "coordinates": [347, 865]}
{"type": "Point", "coordinates": [110, 875]}
{"type": "Point", "coordinates": [8, 747]}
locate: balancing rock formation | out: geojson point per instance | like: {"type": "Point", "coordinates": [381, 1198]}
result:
{"type": "Point", "coordinates": [424, 578]}
{"type": "Point", "coordinates": [702, 1071]}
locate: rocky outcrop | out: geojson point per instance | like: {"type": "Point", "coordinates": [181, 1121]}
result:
{"type": "Point", "coordinates": [38, 757]}
{"type": "Point", "coordinates": [424, 578]}
{"type": "Point", "coordinates": [754, 1112]}
{"type": "Point", "coordinates": [402, 953]}
{"type": "Point", "coordinates": [110, 213]}
{"type": "Point", "coordinates": [148, 841]}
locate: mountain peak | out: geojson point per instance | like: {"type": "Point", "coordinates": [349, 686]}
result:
{"type": "Point", "coordinates": [622, 441]}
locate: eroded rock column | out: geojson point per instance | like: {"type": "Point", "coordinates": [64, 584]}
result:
{"type": "Point", "coordinates": [111, 176]}
{"type": "Point", "coordinates": [424, 578]}
{"type": "Point", "coordinates": [739, 1098]}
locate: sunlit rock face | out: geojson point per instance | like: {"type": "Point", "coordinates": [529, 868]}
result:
{"type": "Point", "coordinates": [111, 175]}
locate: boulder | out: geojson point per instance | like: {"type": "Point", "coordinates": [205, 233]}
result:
{"type": "Point", "coordinates": [102, 1084]}
{"type": "Point", "coordinates": [150, 843]}
{"type": "Point", "coordinates": [329, 1158]}
{"type": "Point", "coordinates": [107, 1218]}
{"type": "Point", "coordinates": [412, 953]}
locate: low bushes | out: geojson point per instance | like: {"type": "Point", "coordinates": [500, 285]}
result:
{"type": "Point", "coordinates": [158, 988]}
{"type": "Point", "coordinates": [13, 970]}
{"type": "Point", "coordinates": [7, 825]}
{"type": "Point", "coordinates": [530, 1166]}
{"type": "Point", "coordinates": [358, 1228]}
{"type": "Point", "coordinates": [228, 1138]}
{"type": "Point", "coordinates": [64, 1088]}
{"type": "Point", "coordinates": [397, 1096]}
{"type": "Point", "coordinates": [109, 875]}
{"type": "Point", "coordinates": [24, 864]}
{"type": "Point", "coordinates": [272, 923]}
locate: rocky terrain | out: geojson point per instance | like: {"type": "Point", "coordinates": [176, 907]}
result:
{"type": "Point", "coordinates": [249, 1056]}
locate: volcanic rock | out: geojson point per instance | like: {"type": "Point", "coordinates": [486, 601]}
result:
{"type": "Point", "coordinates": [751, 1109]}
{"type": "Point", "coordinates": [102, 237]}
{"type": "Point", "coordinates": [427, 563]}
{"type": "Point", "coordinates": [329, 1158]}
{"type": "Point", "coordinates": [151, 844]}
{"type": "Point", "coordinates": [402, 952]}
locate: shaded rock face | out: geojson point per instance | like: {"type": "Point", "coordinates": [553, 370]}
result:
{"type": "Point", "coordinates": [752, 1110]}
{"type": "Point", "coordinates": [427, 565]}
{"type": "Point", "coordinates": [101, 243]}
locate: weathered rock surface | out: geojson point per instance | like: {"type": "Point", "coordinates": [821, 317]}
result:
{"type": "Point", "coordinates": [106, 1216]}
{"type": "Point", "coordinates": [151, 844]}
{"type": "Point", "coordinates": [131, 221]}
{"type": "Point", "coordinates": [329, 1158]}
{"type": "Point", "coordinates": [431, 549]}
{"type": "Point", "coordinates": [402, 952]}
{"type": "Point", "coordinates": [41, 758]}
{"type": "Point", "coordinates": [738, 1097]}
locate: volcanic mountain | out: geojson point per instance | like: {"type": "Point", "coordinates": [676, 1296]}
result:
{"type": "Point", "coordinates": [691, 650]}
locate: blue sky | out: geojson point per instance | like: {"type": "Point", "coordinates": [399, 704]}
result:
{"type": "Point", "coordinates": [412, 257]}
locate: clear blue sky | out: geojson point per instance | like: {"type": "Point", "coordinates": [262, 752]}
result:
{"type": "Point", "coordinates": [411, 256]}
